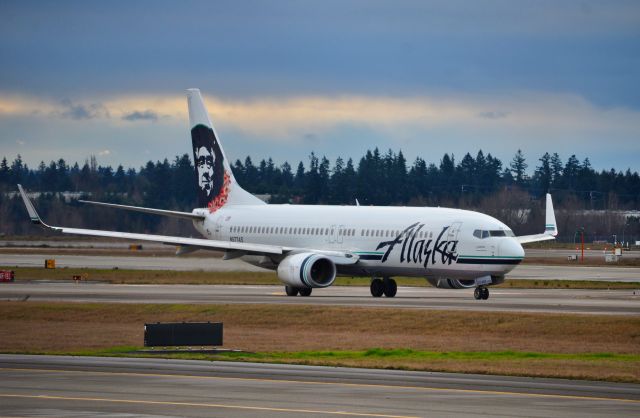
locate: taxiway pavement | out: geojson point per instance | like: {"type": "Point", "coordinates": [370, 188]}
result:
{"type": "Point", "coordinates": [90, 386]}
{"type": "Point", "coordinates": [610, 302]}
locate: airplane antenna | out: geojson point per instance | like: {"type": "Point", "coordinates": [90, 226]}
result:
{"type": "Point", "coordinates": [357, 203]}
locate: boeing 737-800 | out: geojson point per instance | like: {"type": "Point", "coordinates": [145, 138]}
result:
{"type": "Point", "coordinates": [310, 245]}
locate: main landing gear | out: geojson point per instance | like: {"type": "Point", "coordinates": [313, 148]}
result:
{"type": "Point", "coordinates": [293, 291]}
{"type": "Point", "coordinates": [386, 286]}
{"type": "Point", "coordinates": [481, 292]}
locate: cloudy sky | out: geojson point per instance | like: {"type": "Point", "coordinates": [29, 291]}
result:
{"type": "Point", "coordinates": [284, 78]}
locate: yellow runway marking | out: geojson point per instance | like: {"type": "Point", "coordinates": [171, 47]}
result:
{"type": "Point", "coordinates": [205, 405]}
{"type": "Point", "coordinates": [363, 385]}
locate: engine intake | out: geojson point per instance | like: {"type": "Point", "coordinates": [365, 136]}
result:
{"type": "Point", "coordinates": [307, 270]}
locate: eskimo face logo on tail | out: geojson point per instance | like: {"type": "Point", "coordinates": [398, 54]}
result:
{"type": "Point", "coordinates": [213, 180]}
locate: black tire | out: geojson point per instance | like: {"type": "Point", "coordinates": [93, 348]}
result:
{"type": "Point", "coordinates": [377, 288]}
{"type": "Point", "coordinates": [291, 291]}
{"type": "Point", "coordinates": [305, 291]}
{"type": "Point", "coordinates": [485, 293]}
{"type": "Point", "coordinates": [477, 293]}
{"type": "Point", "coordinates": [390, 287]}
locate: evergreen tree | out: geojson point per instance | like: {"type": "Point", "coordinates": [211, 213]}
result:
{"type": "Point", "coordinates": [556, 170]}
{"type": "Point", "coordinates": [543, 175]}
{"type": "Point", "coordinates": [519, 168]}
{"type": "Point", "coordinates": [570, 172]}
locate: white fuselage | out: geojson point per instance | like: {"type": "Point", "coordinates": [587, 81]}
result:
{"type": "Point", "coordinates": [389, 241]}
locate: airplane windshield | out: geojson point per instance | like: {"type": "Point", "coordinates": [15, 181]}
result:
{"type": "Point", "coordinates": [478, 233]}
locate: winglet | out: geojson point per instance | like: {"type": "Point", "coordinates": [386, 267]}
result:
{"type": "Point", "coordinates": [33, 214]}
{"type": "Point", "coordinates": [550, 225]}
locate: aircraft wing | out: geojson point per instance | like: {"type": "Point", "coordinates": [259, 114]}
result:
{"type": "Point", "coordinates": [338, 257]}
{"type": "Point", "coordinates": [550, 227]}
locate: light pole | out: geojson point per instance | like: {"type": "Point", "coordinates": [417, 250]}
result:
{"type": "Point", "coordinates": [581, 232]}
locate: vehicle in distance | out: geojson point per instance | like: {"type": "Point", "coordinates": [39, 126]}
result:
{"type": "Point", "coordinates": [310, 245]}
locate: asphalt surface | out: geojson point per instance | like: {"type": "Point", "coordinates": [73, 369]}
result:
{"type": "Point", "coordinates": [610, 302]}
{"type": "Point", "coordinates": [622, 274]}
{"type": "Point", "coordinates": [123, 387]}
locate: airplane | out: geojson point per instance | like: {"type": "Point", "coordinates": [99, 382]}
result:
{"type": "Point", "coordinates": [310, 245]}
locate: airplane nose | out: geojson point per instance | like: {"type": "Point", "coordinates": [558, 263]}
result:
{"type": "Point", "coordinates": [510, 248]}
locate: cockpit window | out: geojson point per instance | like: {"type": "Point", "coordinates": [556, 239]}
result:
{"type": "Point", "coordinates": [479, 233]}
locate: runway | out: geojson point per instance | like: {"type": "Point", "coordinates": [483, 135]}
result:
{"type": "Point", "coordinates": [609, 302]}
{"type": "Point", "coordinates": [621, 274]}
{"type": "Point", "coordinates": [91, 386]}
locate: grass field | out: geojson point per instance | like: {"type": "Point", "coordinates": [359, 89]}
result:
{"type": "Point", "coordinates": [267, 278]}
{"type": "Point", "coordinates": [573, 346]}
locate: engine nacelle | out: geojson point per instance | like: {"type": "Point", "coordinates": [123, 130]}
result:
{"type": "Point", "coordinates": [465, 283]}
{"type": "Point", "coordinates": [307, 270]}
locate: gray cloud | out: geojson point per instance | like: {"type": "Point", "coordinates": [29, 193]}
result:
{"type": "Point", "coordinates": [493, 114]}
{"type": "Point", "coordinates": [78, 111]}
{"type": "Point", "coordinates": [137, 115]}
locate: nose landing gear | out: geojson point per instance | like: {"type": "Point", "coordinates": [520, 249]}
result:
{"type": "Point", "coordinates": [386, 286]}
{"type": "Point", "coordinates": [481, 292]}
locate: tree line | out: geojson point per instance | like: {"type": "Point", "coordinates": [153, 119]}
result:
{"type": "Point", "coordinates": [376, 179]}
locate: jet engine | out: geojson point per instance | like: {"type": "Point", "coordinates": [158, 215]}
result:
{"type": "Point", "coordinates": [443, 283]}
{"type": "Point", "coordinates": [307, 270]}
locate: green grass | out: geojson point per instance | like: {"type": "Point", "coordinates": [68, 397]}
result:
{"type": "Point", "coordinates": [399, 354]}
{"type": "Point", "coordinates": [593, 366]}
{"type": "Point", "coordinates": [317, 357]}
{"type": "Point", "coordinates": [417, 355]}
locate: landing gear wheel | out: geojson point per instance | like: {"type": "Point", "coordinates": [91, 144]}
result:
{"type": "Point", "coordinates": [291, 291]}
{"type": "Point", "coordinates": [390, 287]}
{"type": "Point", "coordinates": [481, 292]}
{"type": "Point", "coordinates": [305, 291]}
{"type": "Point", "coordinates": [377, 288]}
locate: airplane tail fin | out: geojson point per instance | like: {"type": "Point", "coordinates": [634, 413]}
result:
{"type": "Point", "coordinates": [217, 186]}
